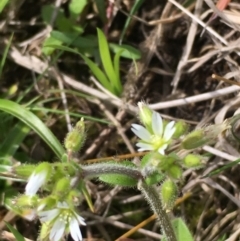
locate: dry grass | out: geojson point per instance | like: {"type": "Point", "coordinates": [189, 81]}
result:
{"type": "Point", "coordinates": [174, 76]}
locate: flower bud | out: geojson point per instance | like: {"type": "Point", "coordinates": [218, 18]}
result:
{"type": "Point", "coordinates": [23, 170]}
{"type": "Point", "coordinates": [62, 187]}
{"type": "Point", "coordinates": [192, 161]}
{"type": "Point", "coordinates": [76, 137]}
{"type": "Point", "coordinates": [25, 201]}
{"type": "Point", "coordinates": [75, 197]}
{"type": "Point", "coordinates": [175, 171]}
{"type": "Point", "coordinates": [181, 128]}
{"type": "Point", "coordinates": [145, 115]}
{"type": "Point", "coordinates": [47, 202]}
{"type": "Point", "coordinates": [194, 140]}
{"type": "Point", "coordinates": [68, 169]}
{"type": "Point", "coordinates": [168, 194]}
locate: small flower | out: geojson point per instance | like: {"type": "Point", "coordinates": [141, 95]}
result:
{"type": "Point", "coordinates": [39, 177]}
{"type": "Point", "coordinates": [62, 219]}
{"type": "Point", "coordinates": [156, 139]}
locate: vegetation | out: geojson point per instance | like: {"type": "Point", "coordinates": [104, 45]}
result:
{"type": "Point", "coordinates": [79, 140]}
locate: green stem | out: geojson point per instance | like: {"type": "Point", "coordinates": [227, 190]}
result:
{"type": "Point", "coordinates": [154, 201]}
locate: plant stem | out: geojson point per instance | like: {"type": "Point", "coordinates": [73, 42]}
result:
{"type": "Point", "coordinates": [154, 200]}
{"type": "Point", "coordinates": [110, 168]}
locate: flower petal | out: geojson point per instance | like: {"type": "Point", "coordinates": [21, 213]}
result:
{"type": "Point", "coordinates": [80, 219]}
{"type": "Point", "coordinates": [75, 230]}
{"type": "Point", "coordinates": [162, 149]}
{"type": "Point", "coordinates": [169, 130]}
{"type": "Point", "coordinates": [57, 230]}
{"type": "Point", "coordinates": [35, 182]}
{"type": "Point", "coordinates": [141, 132]}
{"type": "Point", "coordinates": [49, 215]}
{"type": "Point", "coordinates": [144, 146]}
{"type": "Point", "coordinates": [157, 124]}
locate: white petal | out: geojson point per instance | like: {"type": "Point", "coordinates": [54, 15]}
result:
{"type": "Point", "coordinates": [75, 230]}
{"type": "Point", "coordinates": [169, 130]}
{"type": "Point", "coordinates": [80, 219]}
{"type": "Point", "coordinates": [29, 214]}
{"type": "Point", "coordinates": [35, 182]}
{"type": "Point", "coordinates": [162, 149]}
{"type": "Point", "coordinates": [57, 230]}
{"type": "Point", "coordinates": [144, 146]}
{"type": "Point", "coordinates": [157, 124]}
{"type": "Point", "coordinates": [49, 215]}
{"type": "Point", "coordinates": [141, 132]}
{"type": "Point", "coordinates": [62, 205]}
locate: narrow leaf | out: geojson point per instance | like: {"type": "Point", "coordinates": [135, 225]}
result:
{"type": "Point", "coordinates": [16, 234]}
{"type": "Point", "coordinates": [106, 59]}
{"type": "Point", "coordinates": [34, 123]}
{"type": "Point", "coordinates": [13, 140]}
{"type": "Point", "coordinates": [137, 4]}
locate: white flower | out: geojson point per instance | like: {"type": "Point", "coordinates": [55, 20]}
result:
{"type": "Point", "coordinates": [35, 181]}
{"type": "Point", "coordinates": [62, 219]}
{"type": "Point", "coordinates": [39, 176]}
{"type": "Point", "coordinates": [156, 139]}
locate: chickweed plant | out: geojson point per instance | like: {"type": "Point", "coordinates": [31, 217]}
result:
{"type": "Point", "coordinates": [55, 190]}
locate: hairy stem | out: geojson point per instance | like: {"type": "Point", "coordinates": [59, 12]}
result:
{"type": "Point", "coordinates": [154, 201]}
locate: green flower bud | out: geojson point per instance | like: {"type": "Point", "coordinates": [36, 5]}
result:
{"type": "Point", "coordinates": [48, 202]}
{"type": "Point", "coordinates": [62, 187]}
{"type": "Point", "coordinates": [192, 161]}
{"type": "Point", "coordinates": [166, 161]}
{"type": "Point", "coordinates": [154, 178]}
{"type": "Point", "coordinates": [23, 170]}
{"type": "Point", "coordinates": [145, 115]}
{"type": "Point", "coordinates": [76, 137]}
{"type": "Point", "coordinates": [194, 140]}
{"type": "Point", "coordinates": [181, 128]}
{"type": "Point", "coordinates": [25, 211]}
{"type": "Point", "coordinates": [25, 201]}
{"type": "Point", "coordinates": [68, 169]}
{"type": "Point", "coordinates": [44, 231]}
{"type": "Point", "coordinates": [74, 197]}
{"type": "Point", "coordinates": [175, 171]}
{"type": "Point", "coordinates": [168, 194]}
{"type": "Point", "coordinates": [150, 162]}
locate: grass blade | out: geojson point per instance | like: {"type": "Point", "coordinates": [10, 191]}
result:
{"type": "Point", "coordinates": [107, 61]}
{"type": "Point", "coordinates": [34, 123]}
{"type": "Point", "coordinates": [14, 139]}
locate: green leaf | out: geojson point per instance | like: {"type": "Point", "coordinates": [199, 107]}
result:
{"type": "Point", "coordinates": [117, 69]}
{"type": "Point", "coordinates": [181, 230]}
{"type": "Point", "coordinates": [34, 123]}
{"type": "Point", "coordinates": [73, 39]}
{"type": "Point", "coordinates": [97, 72]}
{"type": "Point", "coordinates": [2, 63]}
{"type": "Point", "coordinates": [76, 7]}
{"type": "Point", "coordinates": [128, 52]}
{"type": "Point", "coordinates": [61, 22]}
{"type": "Point", "coordinates": [137, 4]}
{"type": "Point", "coordinates": [107, 61]}
{"type": "Point", "coordinates": [118, 179]}
{"type": "Point", "coordinates": [50, 41]}
{"type": "Point", "coordinates": [101, 6]}
{"type": "Point", "coordinates": [221, 169]}
{"type": "Point", "coordinates": [14, 138]}
{"type": "Point", "coordinates": [94, 68]}
{"type": "Point", "coordinates": [16, 234]}
{"type": "Point", "coordinates": [3, 3]}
